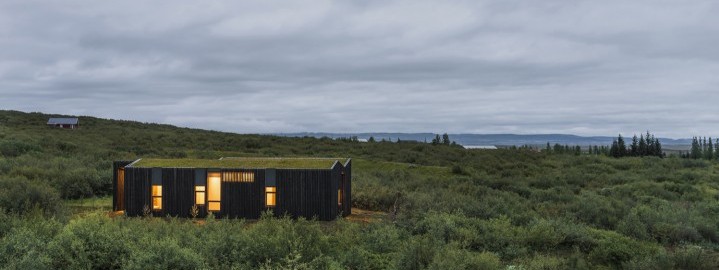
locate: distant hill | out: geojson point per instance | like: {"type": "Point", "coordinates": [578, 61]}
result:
{"type": "Point", "coordinates": [488, 139]}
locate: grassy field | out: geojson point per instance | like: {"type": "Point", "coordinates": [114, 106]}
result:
{"type": "Point", "coordinates": [418, 206]}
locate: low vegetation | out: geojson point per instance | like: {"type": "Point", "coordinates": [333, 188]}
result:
{"type": "Point", "coordinates": [447, 208]}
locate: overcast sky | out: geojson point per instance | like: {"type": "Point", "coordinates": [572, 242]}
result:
{"type": "Point", "coordinates": [580, 67]}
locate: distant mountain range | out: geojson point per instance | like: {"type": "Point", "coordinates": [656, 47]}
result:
{"type": "Point", "coordinates": [488, 139]}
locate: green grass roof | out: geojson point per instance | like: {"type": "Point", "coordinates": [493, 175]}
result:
{"type": "Point", "coordinates": [243, 162]}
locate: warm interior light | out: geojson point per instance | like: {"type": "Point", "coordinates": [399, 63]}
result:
{"type": "Point", "coordinates": [157, 203]}
{"type": "Point", "coordinates": [214, 185]}
{"type": "Point", "coordinates": [271, 196]}
{"type": "Point", "coordinates": [339, 196]}
{"type": "Point", "coordinates": [243, 177]}
{"type": "Point", "coordinates": [213, 206]}
{"type": "Point", "coordinates": [200, 195]}
{"type": "Point", "coordinates": [200, 198]}
{"type": "Point", "coordinates": [156, 197]}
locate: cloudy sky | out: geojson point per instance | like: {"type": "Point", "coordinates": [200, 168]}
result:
{"type": "Point", "coordinates": [581, 67]}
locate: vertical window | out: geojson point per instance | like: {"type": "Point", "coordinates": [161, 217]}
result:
{"type": "Point", "coordinates": [120, 189]}
{"type": "Point", "coordinates": [156, 197]}
{"type": "Point", "coordinates": [270, 196]}
{"type": "Point", "coordinates": [200, 195]}
{"type": "Point", "coordinates": [339, 197]}
{"type": "Point", "coordinates": [214, 184]}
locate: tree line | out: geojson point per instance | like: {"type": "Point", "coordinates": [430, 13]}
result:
{"type": "Point", "coordinates": [703, 149]}
{"type": "Point", "coordinates": [642, 146]}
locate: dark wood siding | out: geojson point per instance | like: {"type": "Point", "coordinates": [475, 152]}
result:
{"type": "Point", "coordinates": [309, 193]}
{"type": "Point", "coordinates": [347, 189]}
{"type": "Point", "coordinates": [243, 199]}
{"type": "Point", "coordinates": [306, 193]}
{"type": "Point", "coordinates": [137, 190]}
{"type": "Point", "coordinates": [178, 186]}
{"type": "Point", "coordinates": [116, 205]}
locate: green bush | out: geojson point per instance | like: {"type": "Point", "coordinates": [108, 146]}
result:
{"type": "Point", "coordinates": [19, 195]}
{"type": "Point", "coordinates": [16, 148]}
{"type": "Point", "coordinates": [163, 253]}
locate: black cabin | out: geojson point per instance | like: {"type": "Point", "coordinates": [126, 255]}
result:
{"type": "Point", "coordinates": [234, 187]}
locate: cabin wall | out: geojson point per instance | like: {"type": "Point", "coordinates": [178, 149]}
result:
{"type": "Point", "coordinates": [137, 190]}
{"type": "Point", "coordinates": [116, 165]}
{"type": "Point", "coordinates": [178, 192]}
{"type": "Point", "coordinates": [243, 199]}
{"type": "Point", "coordinates": [347, 189]}
{"type": "Point", "coordinates": [306, 193]}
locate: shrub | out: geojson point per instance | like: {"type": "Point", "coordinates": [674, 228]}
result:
{"type": "Point", "coordinates": [96, 242]}
{"type": "Point", "coordinates": [19, 195]}
{"type": "Point", "coordinates": [454, 258]}
{"type": "Point", "coordinates": [16, 148]}
{"type": "Point", "coordinates": [164, 253]}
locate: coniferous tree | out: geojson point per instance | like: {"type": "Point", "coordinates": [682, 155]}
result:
{"type": "Point", "coordinates": [371, 139]}
{"type": "Point", "coordinates": [621, 146]}
{"type": "Point", "coordinates": [634, 148]}
{"type": "Point", "coordinates": [716, 149]}
{"type": "Point", "coordinates": [549, 148]}
{"type": "Point", "coordinates": [558, 149]}
{"type": "Point", "coordinates": [642, 149]}
{"type": "Point", "coordinates": [445, 139]}
{"type": "Point", "coordinates": [614, 150]}
{"type": "Point", "coordinates": [696, 149]}
{"type": "Point", "coordinates": [710, 150]}
{"type": "Point", "coordinates": [436, 140]}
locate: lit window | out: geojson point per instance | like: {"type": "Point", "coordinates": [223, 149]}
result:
{"type": "Point", "coordinates": [156, 197]}
{"type": "Point", "coordinates": [214, 185]}
{"type": "Point", "coordinates": [339, 196]}
{"type": "Point", "coordinates": [271, 196]}
{"type": "Point", "coordinates": [200, 195]}
{"type": "Point", "coordinates": [243, 177]}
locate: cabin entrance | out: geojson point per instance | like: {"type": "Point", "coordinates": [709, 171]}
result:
{"type": "Point", "coordinates": [120, 189]}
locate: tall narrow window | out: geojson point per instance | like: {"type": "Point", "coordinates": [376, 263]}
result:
{"type": "Point", "coordinates": [156, 197]}
{"type": "Point", "coordinates": [214, 185]}
{"type": "Point", "coordinates": [339, 197]}
{"type": "Point", "coordinates": [270, 196]}
{"type": "Point", "coordinates": [120, 189]}
{"type": "Point", "coordinates": [200, 195]}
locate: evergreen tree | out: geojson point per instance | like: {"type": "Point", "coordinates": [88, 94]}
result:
{"type": "Point", "coordinates": [577, 150]}
{"type": "Point", "coordinates": [445, 139]}
{"type": "Point", "coordinates": [716, 149]}
{"type": "Point", "coordinates": [596, 150]}
{"type": "Point", "coordinates": [371, 139]}
{"type": "Point", "coordinates": [634, 148]}
{"type": "Point", "coordinates": [614, 150]}
{"type": "Point", "coordinates": [558, 149]}
{"type": "Point", "coordinates": [549, 148]}
{"type": "Point", "coordinates": [621, 146]}
{"type": "Point", "coordinates": [696, 149]}
{"type": "Point", "coordinates": [710, 150]}
{"type": "Point", "coordinates": [436, 140]}
{"type": "Point", "coordinates": [642, 148]}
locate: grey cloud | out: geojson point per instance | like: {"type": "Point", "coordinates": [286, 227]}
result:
{"type": "Point", "coordinates": [583, 67]}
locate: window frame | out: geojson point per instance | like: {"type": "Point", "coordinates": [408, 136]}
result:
{"type": "Point", "coordinates": [270, 191]}
{"type": "Point", "coordinates": [154, 196]}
